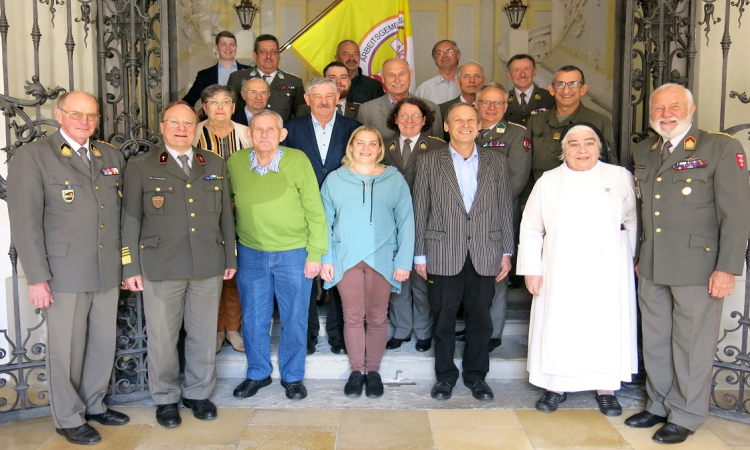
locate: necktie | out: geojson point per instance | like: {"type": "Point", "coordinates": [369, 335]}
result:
{"type": "Point", "coordinates": [267, 79]}
{"type": "Point", "coordinates": [185, 165]}
{"type": "Point", "coordinates": [340, 109]}
{"type": "Point", "coordinates": [665, 151]}
{"type": "Point", "coordinates": [523, 101]}
{"type": "Point", "coordinates": [84, 157]}
{"type": "Point", "coordinates": [406, 150]}
{"type": "Point", "coordinates": [482, 133]}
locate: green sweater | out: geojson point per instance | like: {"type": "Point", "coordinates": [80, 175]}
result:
{"type": "Point", "coordinates": [279, 211]}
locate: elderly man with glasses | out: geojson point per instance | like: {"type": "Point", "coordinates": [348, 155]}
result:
{"type": "Point", "coordinates": [568, 87]}
{"type": "Point", "coordinates": [178, 248]}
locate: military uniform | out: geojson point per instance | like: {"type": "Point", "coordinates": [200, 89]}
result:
{"type": "Point", "coordinates": [409, 310]}
{"type": "Point", "coordinates": [64, 221]}
{"type": "Point", "coordinates": [546, 134]}
{"type": "Point", "coordinates": [541, 100]}
{"type": "Point", "coordinates": [695, 219]}
{"type": "Point", "coordinates": [513, 141]}
{"type": "Point", "coordinates": [286, 93]}
{"type": "Point", "coordinates": [178, 232]}
{"type": "Point", "coordinates": [350, 111]}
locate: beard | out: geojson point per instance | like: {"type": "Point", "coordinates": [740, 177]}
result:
{"type": "Point", "coordinates": [681, 126]}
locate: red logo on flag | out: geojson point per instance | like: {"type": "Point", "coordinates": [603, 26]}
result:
{"type": "Point", "coordinates": [741, 160]}
{"type": "Point", "coordinates": [527, 144]}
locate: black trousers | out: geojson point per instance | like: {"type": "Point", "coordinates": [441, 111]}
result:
{"type": "Point", "coordinates": [334, 318]}
{"type": "Point", "coordinates": [446, 295]}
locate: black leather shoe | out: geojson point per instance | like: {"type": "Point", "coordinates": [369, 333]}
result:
{"type": "Point", "coordinates": [109, 417]}
{"type": "Point", "coordinates": [295, 390]}
{"type": "Point", "coordinates": [644, 419]}
{"type": "Point", "coordinates": [442, 390]}
{"type": "Point", "coordinates": [550, 401]}
{"type": "Point", "coordinates": [202, 409]}
{"type": "Point", "coordinates": [312, 341]}
{"type": "Point", "coordinates": [423, 344]}
{"type": "Point", "coordinates": [83, 435]}
{"type": "Point", "coordinates": [395, 342]}
{"type": "Point", "coordinates": [495, 343]}
{"type": "Point", "coordinates": [249, 387]}
{"type": "Point", "coordinates": [608, 405]}
{"type": "Point", "coordinates": [671, 433]}
{"type": "Point", "coordinates": [168, 416]}
{"type": "Point", "coordinates": [337, 346]}
{"type": "Point", "coordinates": [480, 390]}
{"type": "Point", "coordinates": [353, 387]}
{"type": "Point", "coordinates": [461, 335]}
{"type": "Point", "coordinates": [374, 386]}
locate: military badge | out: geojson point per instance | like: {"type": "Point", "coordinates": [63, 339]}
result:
{"type": "Point", "coordinates": [537, 96]}
{"type": "Point", "coordinates": [110, 171]}
{"type": "Point", "coordinates": [500, 128]}
{"type": "Point", "coordinates": [65, 150]}
{"type": "Point", "coordinates": [741, 160]}
{"type": "Point", "coordinates": [213, 177]}
{"type": "Point", "coordinates": [157, 201]}
{"type": "Point", "coordinates": [423, 146]}
{"type": "Point", "coordinates": [68, 195]}
{"type": "Point", "coordinates": [280, 75]}
{"type": "Point", "coordinates": [95, 151]}
{"type": "Point", "coordinates": [126, 256]}
{"type": "Point", "coordinates": [538, 111]}
{"type": "Point", "coordinates": [163, 157]}
{"type": "Point", "coordinates": [556, 136]}
{"type": "Point", "coordinates": [350, 106]}
{"type": "Point", "coordinates": [392, 148]}
{"type": "Point", "coordinates": [527, 144]}
{"type": "Point", "coordinates": [656, 144]}
{"type": "Point", "coordinates": [689, 143]}
{"type": "Point", "coordinates": [200, 158]}
{"type": "Point", "coordinates": [495, 143]}
{"type": "Point", "coordinates": [511, 98]}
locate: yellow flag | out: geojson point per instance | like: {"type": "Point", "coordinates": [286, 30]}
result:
{"type": "Point", "coordinates": [382, 28]}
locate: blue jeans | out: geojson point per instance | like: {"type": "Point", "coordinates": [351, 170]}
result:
{"type": "Point", "coordinates": [260, 276]}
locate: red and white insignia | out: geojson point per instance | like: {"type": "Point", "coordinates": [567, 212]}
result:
{"type": "Point", "coordinates": [527, 144]}
{"type": "Point", "coordinates": [163, 157]}
{"type": "Point", "coordinates": [741, 160]}
{"type": "Point", "coordinates": [200, 158]}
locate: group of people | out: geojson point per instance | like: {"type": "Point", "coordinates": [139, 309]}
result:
{"type": "Point", "coordinates": [394, 206]}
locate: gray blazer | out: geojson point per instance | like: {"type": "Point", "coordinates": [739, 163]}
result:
{"type": "Point", "coordinates": [445, 232]}
{"type": "Point", "coordinates": [375, 113]}
{"type": "Point", "coordinates": [175, 227]}
{"type": "Point", "coordinates": [64, 218]}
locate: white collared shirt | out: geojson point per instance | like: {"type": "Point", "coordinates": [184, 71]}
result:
{"type": "Point", "coordinates": [175, 154]}
{"type": "Point", "coordinates": [529, 92]}
{"type": "Point", "coordinates": [438, 90]}
{"type": "Point", "coordinates": [272, 75]}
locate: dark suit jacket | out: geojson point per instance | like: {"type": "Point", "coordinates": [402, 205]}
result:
{"type": "Point", "coordinates": [444, 107]}
{"type": "Point", "coordinates": [287, 93]}
{"type": "Point", "coordinates": [302, 137]}
{"type": "Point", "coordinates": [445, 232]}
{"type": "Point", "coordinates": [540, 101]}
{"type": "Point", "coordinates": [350, 111]}
{"type": "Point", "coordinates": [64, 217]}
{"type": "Point", "coordinates": [375, 113]}
{"type": "Point", "coordinates": [364, 88]}
{"type": "Point", "coordinates": [421, 145]}
{"type": "Point", "coordinates": [204, 79]}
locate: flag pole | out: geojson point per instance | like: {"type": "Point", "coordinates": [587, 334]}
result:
{"type": "Point", "coordinates": [306, 27]}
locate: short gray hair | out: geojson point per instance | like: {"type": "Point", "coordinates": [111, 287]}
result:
{"type": "Point", "coordinates": [267, 112]}
{"type": "Point", "coordinates": [685, 90]}
{"type": "Point", "coordinates": [491, 85]}
{"type": "Point", "coordinates": [462, 66]}
{"type": "Point", "coordinates": [320, 81]}
{"type": "Point", "coordinates": [579, 129]}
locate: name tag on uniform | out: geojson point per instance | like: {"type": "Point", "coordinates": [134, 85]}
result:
{"type": "Point", "coordinates": [495, 144]}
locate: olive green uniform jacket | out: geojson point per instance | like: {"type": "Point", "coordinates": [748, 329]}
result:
{"type": "Point", "coordinates": [513, 141]}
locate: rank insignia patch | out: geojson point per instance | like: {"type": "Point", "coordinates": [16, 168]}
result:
{"type": "Point", "coordinates": [392, 148]}
{"type": "Point", "coordinates": [741, 160]}
{"type": "Point", "coordinates": [689, 143]}
{"type": "Point", "coordinates": [537, 96]}
{"type": "Point", "coordinates": [157, 201]}
{"type": "Point", "coordinates": [95, 151]}
{"type": "Point", "coordinates": [500, 128]}
{"type": "Point", "coordinates": [163, 157]}
{"type": "Point", "coordinates": [65, 150]}
{"type": "Point", "coordinates": [200, 158]}
{"type": "Point", "coordinates": [656, 144]}
{"type": "Point", "coordinates": [423, 146]}
{"type": "Point", "coordinates": [556, 136]}
{"type": "Point", "coordinates": [527, 144]}
{"type": "Point", "coordinates": [68, 195]}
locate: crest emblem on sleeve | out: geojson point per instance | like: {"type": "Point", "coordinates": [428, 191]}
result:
{"type": "Point", "coordinates": [527, 144]}
{"type": "Point", "coordinates": [741, 160]}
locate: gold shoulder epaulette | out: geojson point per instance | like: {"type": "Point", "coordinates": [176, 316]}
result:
{"type": "Point", "coordinates": [436, 138]}
{"type": "Point", "coordinates": [720, 132]}
{"type": "Point", "coordinates": [105, 142]}
{"type": "Point", "coordinates": [517, 125]}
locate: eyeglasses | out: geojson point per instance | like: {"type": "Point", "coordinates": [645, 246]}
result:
{"type": "Point", "coordinates": [488, 103]}
{"type": "Point", "coordinates": [571, 84]}
{"type": "Point", "coordinates": [254, 93]}
{"type": "Point", "coordinates": [413, 116]}
{"type": "Point", "coordinates": [440, 53]}
{"type": "Point", "coordinates": [213, 102]}
{"type": "Point", "coordinates": [77, 116]}
{"type": "Point", "coordinates": [174, 123]}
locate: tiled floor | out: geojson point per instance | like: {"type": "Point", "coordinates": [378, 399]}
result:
{"type": "Point", "coordinates": [293, 429]}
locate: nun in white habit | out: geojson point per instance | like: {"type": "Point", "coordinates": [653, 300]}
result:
{"type": "Point", "coordinates": [578, 238]}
